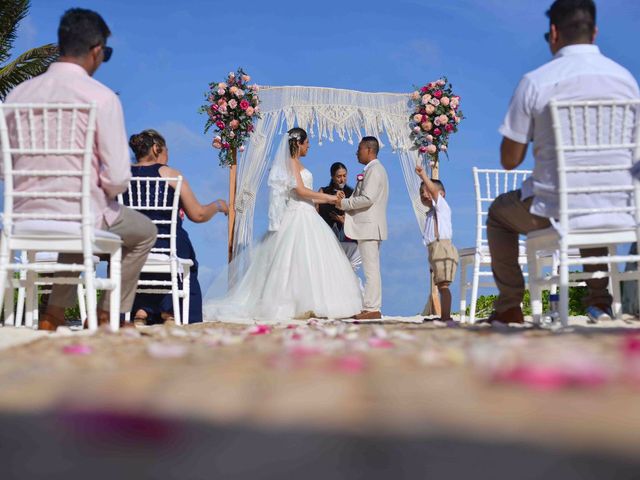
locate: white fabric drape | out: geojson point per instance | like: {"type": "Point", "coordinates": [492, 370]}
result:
{"type": "Point", "coordinates": [323, 113]}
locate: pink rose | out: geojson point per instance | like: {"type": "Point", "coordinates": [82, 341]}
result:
{"type": "Point", "coordinates": [239, 93]}
{"type": "Point", "coordinates": [431, 149]}
{"type": "Point", "coordinates": [221, 101]}
{"type": "Point", "coordinates": [415, 95]}
{"type": "Point", "coordinates": [437, 131]}
{"type": "Point", "coordinates": [221, 91]}
{"type": "Point", "coordinates": [220, 124]}
{"type": "Point", "coordinates": [416, 129]}
{"type": "Point", "coordinates": [217, 143]}
{"type": "Point", "coordinates": [223, 108]}
{"type": "Point", "coordinates": [241, 149]}
{"type": "Point", "coordinates": [231, 135]}
{"type": "Point", "coordinates": [426, 98]}
{"type": "Point", "coordinates": [360, 177]}
{"type": "Point", "coordinates": [233, 89]}
{"type": "Point", "coordinates": [255, 88]}
{"type": "Point", "coordinates": [445, 101]}
{"type": "Point", "coordinates": [244, 105]}
{"type": "Point", "coordinates": [443, 148]}
{"type": "Point", "coordinates": [246, 78]}
{"type": "Point", "coordinates": [441, 82]}
{"type": "Point", "coordinates": [249, 111]}
{"type": "Point", "coordinates": [448, 127]}
{"type": "Point", "coordinates": [429, 109]}
{"type": "Point", "coordinates": [233, 104]}
{"type": "Point", "coordinates": [443, 119]}
{"type": "Point", "coordinates": [257, 109]}
{"type": "Point", "coordinates": [214, 108]}
{"type": "Point", "coordinates": [423, 90]}
{"type": "Point", "coordinates": [426, 126]}
{"type": "Point", "coordinates": [417, 118]}
{"type": "Point", "coordinates": [434, 101]}
{"type": "Point", "coordinates": [222, 85]}
{"type": "Point", "coordinates": [437, 94]}
{"type": "Point", "coordinates": [422, 149]}
{"type": "Point", "coordinates": [436, 121]}
{"type": "Point", "coordinates": [234, 124]}
{"type": "Point", "coordinates": [429, 138]}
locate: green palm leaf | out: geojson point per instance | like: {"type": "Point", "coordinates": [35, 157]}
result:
{"type": "Point", "coordinates": [12, 12]}
{"type": "Point", "coordinates": [29, 64]}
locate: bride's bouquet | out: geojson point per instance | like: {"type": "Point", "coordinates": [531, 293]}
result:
{"type": "Point", "coordinates": [436, 115]}
{"type": "Point", "coordinates": [232, 106]}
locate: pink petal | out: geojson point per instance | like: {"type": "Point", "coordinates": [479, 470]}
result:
{"type": "Point", "coordinates": [260, 330]}
{"type": "Point", "coordinates": [77, 349]}
{"type": "Point", "coordinates": [376, 342]}
{"type": "Point", "coordinates": [350, 364]}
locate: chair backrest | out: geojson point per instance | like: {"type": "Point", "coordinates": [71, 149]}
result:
{"type": "Point", "coordinates": [36, 139]}
{"type": "Point", "coordinates": [489, 184]}
{"type": "Point", "coordinates": [155, 198]}
{"type": "Point", "coordinates": [596, 144]}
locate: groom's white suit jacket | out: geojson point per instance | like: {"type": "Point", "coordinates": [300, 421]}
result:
{"type": "Point", "coordinates": [366, 209]}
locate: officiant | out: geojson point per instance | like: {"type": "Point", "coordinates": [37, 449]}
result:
{"type": "Point", "coordinates": [334, 216]}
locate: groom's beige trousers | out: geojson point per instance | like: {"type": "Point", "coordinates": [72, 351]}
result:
{"type": "Point", "coordinates": [370, 253]}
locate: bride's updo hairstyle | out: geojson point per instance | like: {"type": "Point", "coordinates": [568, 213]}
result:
{"type": "Point", "coordinates": [141, 143]}
{"type": "Point", "coordinates": [297, 136]}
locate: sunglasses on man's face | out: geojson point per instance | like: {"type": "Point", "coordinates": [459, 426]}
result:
{"type": "Point", "coordinates": [107, 51]}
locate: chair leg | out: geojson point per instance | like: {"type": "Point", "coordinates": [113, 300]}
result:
{"type": "Point", "coordinates": [535, 289]}
{"type": "Point", "coordinates": [5, 281]}
{"type": "Point", "coordinates": [90, 294]}
{"type": "Point", "coordinates": [82, 304]}
{"type": "Point", "coordinates": [615, 286]}
{"type": "Point", "coordinates": [463, 290]}
{"type": "Point", "coordinates": [115, 279]}
{"type": "Point", "coordinates": [31, 293]}
{"type": "Point", "coordinates": [186, 291]}
{"type": "Point", "coordinates": [475, 283]}
{"type": "Point", "coordinates": [563, 304]}
{"type": "Point", "coordinates": [20, 304]}
{"type": "Point", "coordinates": [175, 296]}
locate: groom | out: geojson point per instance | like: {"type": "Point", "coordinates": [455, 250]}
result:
{"type": "Point", "coordinates": [366, 222]}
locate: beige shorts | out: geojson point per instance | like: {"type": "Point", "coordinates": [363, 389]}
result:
{"type": "Point", "coordinates": [443, 259]}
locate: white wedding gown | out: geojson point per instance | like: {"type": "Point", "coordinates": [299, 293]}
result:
{"type": "Point", "coordinates": [297, 272]}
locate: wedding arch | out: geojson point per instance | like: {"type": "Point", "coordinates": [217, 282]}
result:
{"type": "Point", "coordinates": [325, 113]}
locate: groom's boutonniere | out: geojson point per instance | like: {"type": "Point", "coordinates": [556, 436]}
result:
{"type": "Point", "coordinates": [360, 177]}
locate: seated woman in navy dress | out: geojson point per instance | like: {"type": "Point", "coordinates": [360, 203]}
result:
{"type": "Point", "coordinates": [151, 152]}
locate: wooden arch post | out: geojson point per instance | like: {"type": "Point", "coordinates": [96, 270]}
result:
{"type": "Point", "coordinates": [232, 200]}
{"type": "Point", "coordinates": [433, 302]}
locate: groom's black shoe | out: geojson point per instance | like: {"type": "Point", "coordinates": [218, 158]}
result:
{"type": "Point", "coordinates": [368, 315]}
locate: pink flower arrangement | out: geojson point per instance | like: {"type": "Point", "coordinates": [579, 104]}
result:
{"type": "Point", "coordinates": [231, 109]}
{"type": "Point", "coordinates": [435, 115]}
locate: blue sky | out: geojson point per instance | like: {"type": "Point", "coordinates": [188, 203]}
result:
{"type": "Point", "coordinates": [166, 52]}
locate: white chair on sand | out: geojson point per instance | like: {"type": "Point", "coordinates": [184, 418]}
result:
{"type": "Point", "coordinates": [150, 195]}
{"type": "Point", "coordinates": [598, 139]}
{"type": "Point", "coordinates": [488, 184]}
{"type": "Point", "coordinates": [68, 132]}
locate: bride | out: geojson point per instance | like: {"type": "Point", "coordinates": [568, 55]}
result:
{"type": "Point", "coordinates": [298, 270]}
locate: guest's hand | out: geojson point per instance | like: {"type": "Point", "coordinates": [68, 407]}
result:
{"type": "Point", "coordinates": [340, 194]}
{"type": "Point", "coordinates": [420, 170]}
{"type": "Point", "coordinates": [222, 206]}
{"type": "Point", "coordinates": [337, 218]}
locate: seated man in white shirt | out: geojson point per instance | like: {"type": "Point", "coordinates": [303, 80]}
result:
{"type": "Point", "coordinates": [578, 71]}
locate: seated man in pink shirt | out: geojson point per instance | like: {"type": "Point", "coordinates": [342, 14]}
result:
{"type": "Point", "coordinates": [82, 40]}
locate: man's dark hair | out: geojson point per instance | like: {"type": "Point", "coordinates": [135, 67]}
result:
{"type": "Point", "coordinates": [371, 143]}
{"type": "Point", "coordinates": [574, 19]}
{"type": "Point", "coordinates": [80, 30]}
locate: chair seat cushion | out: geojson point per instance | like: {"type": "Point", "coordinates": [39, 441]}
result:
{"type": "Point", "coordinates": [161, 258]}
{"type": "Point", "coordinates": [56, 227]}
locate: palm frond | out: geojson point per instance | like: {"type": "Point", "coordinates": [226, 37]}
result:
{"type": "Point", "coordinates": [12, 12]}
{"type": "Point", "coordinates": [30, 64]}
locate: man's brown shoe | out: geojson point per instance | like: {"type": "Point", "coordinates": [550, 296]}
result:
{"type": "Point", "coordinates": [511, 315]}
{"type": "Point", "coordinates": [49, 323]}
{"type": "Point", "coordinates": [368, 315]}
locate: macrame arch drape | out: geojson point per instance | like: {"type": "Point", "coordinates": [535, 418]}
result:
{"type": "Point", "coordinates": [325, 113]}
